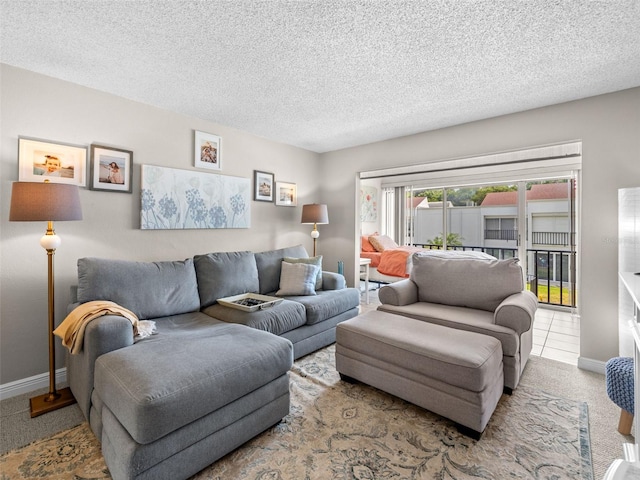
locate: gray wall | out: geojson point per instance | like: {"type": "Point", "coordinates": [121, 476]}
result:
{"type": "Point", "coordinates": [609, 127]}
{"type": "Point", "coordinates": [38, 106]}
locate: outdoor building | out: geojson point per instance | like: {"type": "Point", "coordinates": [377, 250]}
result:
{"type": "Point", "coordinates": [492, 227]}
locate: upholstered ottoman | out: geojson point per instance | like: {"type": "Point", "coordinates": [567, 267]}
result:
{"type": "Point", "coordinates": [454, 373]}
{"type": "Point", "coordinates": [169, 408]}
{"type": "Point", "coordinates": [619, 379]}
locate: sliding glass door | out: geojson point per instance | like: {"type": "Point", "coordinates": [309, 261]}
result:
{"type": "Point", "coordinates": [551, 242]}
{"type": "Point", "coordinates": [532, 220]}
{"type": "Point", "coordinates": [515, 203]}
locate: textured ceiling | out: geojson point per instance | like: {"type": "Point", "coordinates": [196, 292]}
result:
{"type": "Point", "coordinates": [325, 75]}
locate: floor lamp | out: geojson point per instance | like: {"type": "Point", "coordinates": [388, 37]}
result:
{"type": "Point", "coordinates": [49, 202]}
{"type": "Point", "coordinates": [316, 214]}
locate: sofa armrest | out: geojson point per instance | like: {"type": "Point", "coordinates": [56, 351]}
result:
{"type": "Point", "coordinates": [404, 292]}
{"type": "Point", "coordinates": [103, 334]}
{"type": "Point", "coordinates": [333, 281]}
{"type": "Point", "coordinates": [517, 311]}
{"type": "Point", "coordinates": [73, 292]}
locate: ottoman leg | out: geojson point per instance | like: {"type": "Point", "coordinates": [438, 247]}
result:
{"type": "Point", "coordinates": [347, 378]}
{"type": "Point", "coordinates": [626, 420]}
{"type": "Point", "coordinates": [469, 432]}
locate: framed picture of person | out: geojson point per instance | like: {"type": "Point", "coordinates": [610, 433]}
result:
{"type": "Point", "coordinates": [58, 162]}
{"type": "Point", "coordinates": [111, 169]}
{"type": "Point", "coordinates": [207, 151]}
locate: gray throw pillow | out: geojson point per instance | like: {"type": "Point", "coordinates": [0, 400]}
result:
{"type": "Point", "coordinates": [148, 289]}
{"type": "Point", "coordinates": [311, 261]}
{"type": "Point", "coordinates": [297, 279]}
{"type": "Point", "coordinates": [269, 264]}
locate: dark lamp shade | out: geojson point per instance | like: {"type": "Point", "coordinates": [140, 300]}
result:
{"type": "Point", "coordinates": [33, 202]}
{"type": "Point", "coordinates": [315, 213]}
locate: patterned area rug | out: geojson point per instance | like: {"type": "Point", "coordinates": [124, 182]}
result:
{"type": "Point", "coordinates": [342, 431]}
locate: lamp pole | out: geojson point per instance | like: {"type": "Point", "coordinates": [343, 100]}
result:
{"type": "Point", "coordinates": [315, 234]}
{"type": "Point", "coordinates": [54, 399]}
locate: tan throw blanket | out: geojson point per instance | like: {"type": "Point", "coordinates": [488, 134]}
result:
{"type": "Point", "coordinates": [71, 330]}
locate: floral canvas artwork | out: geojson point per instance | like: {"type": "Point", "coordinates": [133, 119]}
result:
{"type": "Point", "coordinates": [185, 199]}
{"type": "Point", "coordinates": [368, 204]}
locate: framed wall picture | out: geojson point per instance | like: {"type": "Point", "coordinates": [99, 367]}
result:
{"type": "Point", "coordinates": [175, 199]}
{"type": "Point", "coordinates": [58, 162]}
{"type": "Point", "coordinates": [262, 186]}
{"type": "Point", "coordinates": [286, 194]}
{"type": "Point", "coordinates": [368, 204]}
{"type": "Point", "coordinates": [111, 169]}
{"type": "Point", "coordinates": [207, 151]}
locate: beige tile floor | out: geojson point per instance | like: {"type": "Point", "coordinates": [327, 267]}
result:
{"type": "Point", "coordinates": [556, 334]}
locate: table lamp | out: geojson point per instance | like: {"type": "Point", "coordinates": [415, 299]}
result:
{"type": "Point", "coordinates": [49, 202]}
{"type": "Point", "coordinates": [317, 214]}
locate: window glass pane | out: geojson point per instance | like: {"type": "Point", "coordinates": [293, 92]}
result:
{"type": "Point", "coordinates": [493, 223]}
{"type": "Point", "coordinates": [508, 224]}
{"type": "Point", "coordinates": [508, 253]}
{"type": "Point", "coordinates": [427, 217]}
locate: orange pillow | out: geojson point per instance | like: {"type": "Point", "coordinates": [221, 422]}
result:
{"type": "Point", "coordinates": [365, 244]}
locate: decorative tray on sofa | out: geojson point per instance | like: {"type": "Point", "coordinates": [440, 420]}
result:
{"type": "Point", "coordinates": [249, 302]}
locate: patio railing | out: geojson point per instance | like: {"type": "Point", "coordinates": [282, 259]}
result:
{"type": "Point", "coordinates": [550, 273]}
{"type": "Point", "coordinates": [550, 238]}
{"type": "Point", "coordinates": [501, 234]}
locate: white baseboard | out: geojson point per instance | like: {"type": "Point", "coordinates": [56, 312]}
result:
{"type": "Point", "coordinates": [30, 384]}
{"type": "Point", "coordinates": [591, 365]}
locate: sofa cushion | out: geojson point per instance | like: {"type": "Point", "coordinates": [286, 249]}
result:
{"type": "Point", "coordinates": [278, 319]}
{"type": "Point", "coordinates": [270, 263]}
{"type": "Point", "coordinates": [328, 303]}
{"type": "Point", "coordinates": [297, 279]}
{"type": "Point", "coordinates": [317, 260]}
{"type": "Point", "coordinates": [466, 282]}
{"type": "Point", "coordinates": [223, 274]}
{"type": "Point", "coordinates": [460, 318]}
{"type": "Point", "coordinates": [207, 370]}
{"type": "Point", "coordinates": [148, 289]}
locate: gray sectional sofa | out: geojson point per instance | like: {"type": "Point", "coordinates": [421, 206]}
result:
{"type": "Point", "coordinates": [212, 377]}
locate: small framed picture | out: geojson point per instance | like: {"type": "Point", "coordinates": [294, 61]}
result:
{"type": "Point", "coordinates": [207, 151]}
{"type": "Point", "coordinates": [262, 186]}
{"type": "Point", "coordinates": [57, 162]}
{"type": "Point", "coordinates": [111, 169]}
{"type": "Point", "coordinates": [286, 194]}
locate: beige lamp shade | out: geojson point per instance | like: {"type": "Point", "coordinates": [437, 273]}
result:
{"type": "Point", "coordinates": [315, 213]}
{"type": "Point", "coordinates": [36, 202]}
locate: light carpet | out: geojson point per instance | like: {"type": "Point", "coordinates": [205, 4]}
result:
{"type": "Point", "coordinates": [337, 430]}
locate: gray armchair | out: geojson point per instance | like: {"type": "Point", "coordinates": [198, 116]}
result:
{"type": "Point", "coordinates": [477, 293]}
